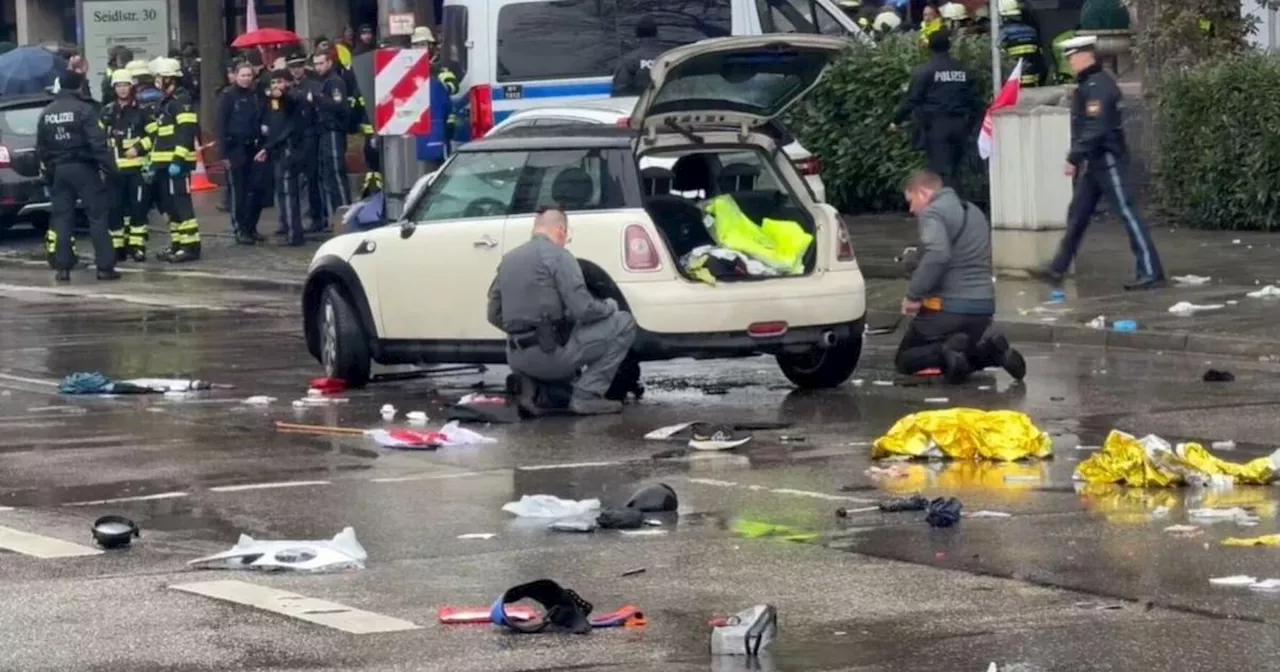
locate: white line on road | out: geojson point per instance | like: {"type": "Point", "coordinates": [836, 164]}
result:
{"type": "Point", "coordinates": [5, 508]}
{"type": "Point", "coordinates": [781, 491]}
{"type": "Point", "coordinates": [34, 381]}
{"type": "Point", "coordinates": [571, 465]}
{"type": "Point", "coordinates": [293, 605]}
{"type": "Point", "coordinates": [42, 547]}
{"type": "Point", "coordinates": [430, 477]}
{"type": "Point", "coordinates": [138, 498]}
{"type": "Point", "coordinates": [267, 486]}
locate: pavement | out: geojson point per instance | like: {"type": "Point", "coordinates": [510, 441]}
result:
{"type": "Point", "coordinates": [1075, 579]}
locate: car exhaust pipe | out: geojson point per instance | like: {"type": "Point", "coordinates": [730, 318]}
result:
{"type": "Point", "coordinates": [827, 339]}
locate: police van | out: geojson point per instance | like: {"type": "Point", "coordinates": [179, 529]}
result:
{"type": "Point", "coordinates": [514, 54]}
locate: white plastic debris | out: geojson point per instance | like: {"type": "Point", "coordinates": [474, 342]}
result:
{"type": "Point", "coordinates": [937, 400]}
{"type": "Point", "coordinates": [747, 633]}
{"type": "Point", "coordinates": [388, 412]}
{"type": "Point", "coordinates": [1269, 585]}
{"type": "Point", "coordinates": [259, 400]}
{"type": "Point", "coordinates": [416, 417]}
{"type": "Point", "coordinates": [664, 433]}
{"type": "Point", "coordinates": [324, 401]}
{"type": "Point", "coordinates": [1191, 279]}
{"type": "Point", "coordinates": [989, 514]}
{"type": "Point", "coordinates": [457, 435]}
{"type": "Point", "coordinates": [298, 403]}
{"type": "Point", "coordinates": [483, 536]}
{"type": "Point", "coordinates": [883, 383]}
{"type": "Point", "coordinates": [1099, 322]}
{"type": "Point", "coordinates": [1237, 580]}
{"type": "Point", "coordinates": [315, 392]}
{"type": "Point", "coordinates": [549, 506]}
{"type": "Point", "coordinates": [1223, 445]}
{"type": "Point", "coordinates": [341, 552]}
{"type": "Point", "coordinates": [1182, 529]}
{"type": "Point", "coordinates": [1234, 514]}
{"type": "Point", "coordinates": [1264, 293]}
{"type": "Point", "coordinates": [477, 398]}
{"type": "Point", "coordinates": [1235, 241]}
{"type": "Point", "coordinates": [1187, 308]}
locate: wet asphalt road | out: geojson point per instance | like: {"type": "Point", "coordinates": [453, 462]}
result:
{"type": "Point", "coordinates": [874, 592]}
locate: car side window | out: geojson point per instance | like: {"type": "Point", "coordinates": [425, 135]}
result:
{"type": "Point", "coordinates": [572, 179]}
{"type": "Point", "coordinates": [472, 184]}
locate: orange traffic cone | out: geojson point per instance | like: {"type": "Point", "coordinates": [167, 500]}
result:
{"type": "Point", "coordinates": [200, 179]}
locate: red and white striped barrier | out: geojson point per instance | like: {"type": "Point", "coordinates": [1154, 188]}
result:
{"type": "Point", "coordinates": [402, 89]}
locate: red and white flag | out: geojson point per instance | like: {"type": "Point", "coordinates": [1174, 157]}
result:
{"type": "Point", "coordinates": [250, 16]}
{"type": "Point", "coordinates": [1008, 97]}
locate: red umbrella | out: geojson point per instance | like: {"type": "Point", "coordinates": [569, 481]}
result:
{"type": "Point", "coordinates": [264, 37]}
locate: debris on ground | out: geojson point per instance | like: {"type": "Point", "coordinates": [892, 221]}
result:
{"type": "Point", "coordinates": [754, 529]}
{"type": "Point", "coordinates": [1191, 279]}
{"type": "Point", "coordinates": [964, 434]}
{"type": "Point", "coordinates": [1219, 376]}
{"type": "Point", "coordinates": [1237, 580]}
{"type": "Point", "coordinates": [845, 513]}
{"type": "Point", "coordinates": [1183, 530]}
{"type": "Point", "coordinates": [717, 437]}
{"type": "Point", "coordinates": [1270, 291]}
{"type": "Point", "coordinates": [342, 552]}
{"type": "Point", "coordinates": [114, 531]}
{"type": "Point", "coordinates": [1057, 296]}
{"type": "Point", "coordinates": [937, 400]}
{"type": "Point", "coordinates": [416, 417]}
{"type": "Point", "coordinates": [1271, 540]}
{"type": "Point", "coordinates": [747, 633]}
{"type": "Point", "coordinates": [943, 512]}
{"type": "Point", "coordinates": [988, 514]}
{"type": "Point", "coordinates": [634, 572]}
{"type": "Point", "coordinates": [683, 431]}
{"type": "Point", "coordinates": [1099, 322]}
{"type": "Point", "coordinates": [562, 609]}
{"type": "Point", "coordinates": [465, 615]}
{"type": "Point", "coordinates": [92, 382]}
{"type": "Point", "coordinates": [1223, 445]}
{"type": "Point", "coordinates": [1153, 462]}
{"type": "Point", "coordinates": [1185, 308]}
{"type": "Point", "coordinates": [457, 435]}
{"type": "Point", "coordinates": [912, 503]}
{"type": "Point", "coordinates": [549, 506]}
{"type": "Point", "coordinates": [482, 536]}
{"type": "Point", "coordinates": [1125, 326]}
{"type": "Point", "coordinates": [407, 439]}
{"type": "Point", "coordinates": [655, 498]}
{"type": "Point", "coordinates": [1234, 514]}
{"type": "Point", "coordinates": [319, 430]}
{"type": "Point", "coordinates": [388, 412]}
{"type": "Point", "coordinates": [893, 471]}
{"type": "Point", "coordinates": [327, 385]}
{"type": "Point", "coordinates": [259, 400]}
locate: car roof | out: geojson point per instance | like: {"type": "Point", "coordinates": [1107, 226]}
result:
{"type": "Point", "coordinates": [25, 100]}
{"type": "Point", "coordinates": [585, 136]}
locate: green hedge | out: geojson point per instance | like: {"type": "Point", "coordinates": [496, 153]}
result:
{"type": "Point", "coordinates": [1218, 145]}
{"type": "Point", "coordinates": [845, 123]}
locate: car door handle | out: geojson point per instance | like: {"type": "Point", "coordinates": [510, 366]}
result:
{"type": "Point", "coordinates": [486, 241]}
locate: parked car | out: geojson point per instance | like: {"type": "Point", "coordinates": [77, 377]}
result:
{"type": "Point", "coordinates": [22, 195]}
{"type": "Point", "coordinates": [415, 291]}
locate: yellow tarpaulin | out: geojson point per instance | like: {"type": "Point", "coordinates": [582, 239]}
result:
{"type": "Point", "coordinates": [964, 434]}
{"type": "Point", "coordinates": [1264, 540]}
{"type": "Point", "coordinates": [1151, 462]}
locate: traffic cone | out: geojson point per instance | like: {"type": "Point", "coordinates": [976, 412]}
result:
{"type": "Point", "coordinates": [199, 179]}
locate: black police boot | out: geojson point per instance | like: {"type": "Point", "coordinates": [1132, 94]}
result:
{"type": "Point", "coordinates": [1047, 276]}
{"type": "Point", "coordinates": [1145, 283]}
{"type": "Point", "coordinates": [243, 238]}
{"type": "Point", "coordinates": [122, 254]}
{"type": "Point", "coordinates": [108, 274]}
{"type": "Point", "coordinates": [138, 254]}
{"type": "Point", "coordinates": [62, 275]}
{"type": "Point", "coordinates": [184, 254]}
{"type": "Point", "coordinates": [955, 359]}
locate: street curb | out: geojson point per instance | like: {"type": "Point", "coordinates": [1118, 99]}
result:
{"type": "Point", "coordinates": [1149, 341]}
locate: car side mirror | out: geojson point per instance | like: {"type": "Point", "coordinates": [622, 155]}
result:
{"type": "Point", "coordinates": [406, 229]}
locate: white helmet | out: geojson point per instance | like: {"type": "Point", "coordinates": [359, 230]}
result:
{"type": "Point", "coordinates": [166, 67]}
{"type": "Point", "coordinates": [887, 21]}
{"type": "Point", "coordinates": [953, 11]}
{"type": "Point", "coordinates": [1010, 8]}
{"type": "Point", "coordinates": [422, 35]}
{"type": "Point", "coordinates": [121, 76]}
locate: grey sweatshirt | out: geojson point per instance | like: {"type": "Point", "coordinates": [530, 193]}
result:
{"type": "Point", "coordinates": [955, 258]}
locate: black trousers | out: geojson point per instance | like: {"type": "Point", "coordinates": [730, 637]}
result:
{"type": "Point", "coordinates": [72, 181]}
{"type": "Point", "coordinates": [333, 171]}
{"type": "Point", "coordinates": [175, 202]}
{"type": "Point", "coordinates": [945, 144]}
{"type": "Point", "coordinates": [921, 346]}
{"type": "Point", "coordinates": [250, 183]}
{"type": "Point", "coordinates": [288, 200]}
{"type": "Point", "coordinates": [129, 206]}
{"type": "Point", "coordinates": [1095, 178]}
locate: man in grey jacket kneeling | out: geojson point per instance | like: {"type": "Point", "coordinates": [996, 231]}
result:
{"type": "Point", "coordinates": [951, 294]}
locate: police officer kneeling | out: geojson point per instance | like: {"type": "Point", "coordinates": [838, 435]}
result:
{"type": "Point", "coordinates": [951, 295]}
{"type": "Point", "coordinates": [75, 156]}
{"type": "Point", "coordinates": [555, 327]}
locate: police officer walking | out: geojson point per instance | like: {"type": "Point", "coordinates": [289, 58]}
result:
{"type": "Point", "coordinates": [333, 110]}
{"type": "Point", "coordinates": [74, 157]}
{"type": "Point", "coordinates": [943, 97]}
{"type": "Point", "coordinates": [631, 77]}
{"type": "Point", "coordinates": [174, 157]}
{"type": "Point", "coordinates": [554, 326]}
{"type": "Point", "coordinates": [126, 126]}
{"type": "Point", "coordinates": [1098, 161]}
{"type": "Point", "coordinates": [282, 120]}
{"type": "Point", "coordinates": [240, 127]}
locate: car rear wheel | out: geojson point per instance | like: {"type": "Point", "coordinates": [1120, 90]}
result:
{"type": "Point", "coordinates": [344, 348]}
{"type": "Point", "coordinates": [822, 368]}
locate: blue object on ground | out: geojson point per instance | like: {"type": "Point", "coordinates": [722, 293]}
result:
{"type": "Point", "coordinates": [29, 70]}
{"type": "Point", "coordinates": [1057, 296]}
{"type": "Point", "coordinates": [1125, 326]}
{"type": "Point", "coordinates": [84, 382]}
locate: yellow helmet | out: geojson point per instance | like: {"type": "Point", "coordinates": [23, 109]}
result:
{"type": "Point", "coordinates": [121, 76]}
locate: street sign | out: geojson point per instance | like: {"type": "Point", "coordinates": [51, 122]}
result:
{"type": "Point", "coordinates": [400, 24]}
{"type": "Point", "coordinates": [140, 25]}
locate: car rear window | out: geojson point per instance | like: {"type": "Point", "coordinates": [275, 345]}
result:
{"type": "Point", "coordinates": [20, 120]}
{"type": "Point", "coordinates": [567, 39]}
{"type": "Point", "coordinates": [757, 84]}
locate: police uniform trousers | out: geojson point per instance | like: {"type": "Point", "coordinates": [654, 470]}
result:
{"type": "Point", "coordinates": [309, 181]}
{"type": "Point", "coordinates": [175, 202]}
{"type": "Point", "coordinates": [1095, 178]}
{"type": "Point", "coordinates": [82, 181]}
{"type": "Point", "coordinates": [945, 142]}
{"type": "Point", "coordinates": [333, 171]}
{"type": "Point", "coordinates": [922, 345]}
{"type": "Point", "coordinates": [595, 350]}
{"type": "Point", "coordinates": [129, 205]}
{"type": "Point", "coordinates": [249, 182]}
{"type": "Point", "coordinates": [286, 175]}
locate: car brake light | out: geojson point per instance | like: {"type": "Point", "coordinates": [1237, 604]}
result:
{"type": "Point", "coordinates": [809, 166]}
{"type": "Point", "coordinates": [844, 248]}
{"type": "Point", "coordinates": [4, 157]}
{"type": "Point", "coordinates": [766, 329]}
{"type": "Point", "coordinates": [641, 254]}
{"type": "Point", "coordinates": [481, 104]}
{"type": "Point", "coordinates": [624, 122]}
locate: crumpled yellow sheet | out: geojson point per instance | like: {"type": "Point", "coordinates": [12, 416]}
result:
{"type": "Point", "coordinates": [964, 434]}
{"type": "Point", "coordinates": [1264, 540]}
{"type": "Point", "coordinates": [1151, 462]}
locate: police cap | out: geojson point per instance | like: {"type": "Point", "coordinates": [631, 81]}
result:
{"type": "Point", "coordinates": [1078, 44]}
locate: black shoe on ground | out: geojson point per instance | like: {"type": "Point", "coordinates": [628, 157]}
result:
{"type": "Point", "coordinates": [281, 232]}
{"type": "Point", "coordinates": [139, 255]}
{"type": "Point", "coordinates": [258, 237]}
{"type": "Point", "coordinates": [1047, 276]}
{"type": "Point", "coordinates": [183, 255]}
{"type": "Point", "coordinates": [293, 242]}
{"type": "Point", "coordinates": [108, 274]}
{"type": "Point", "coordinates": [122, 255]}
{"type": "Point", "coordinates": [1007, 358]}
{"type": "Point", "coordinates": [62, 275]}
{"type": "Point", "coordinates": [1144, 283]}
{"type": "Point", "coordinates": [955, 359]}
{"type": "Point", "coordinates": [316, 230]}
{"type": "Point", "coordinates": [245, 239]}
{"type": "Point", "coordinates": [526, 394]}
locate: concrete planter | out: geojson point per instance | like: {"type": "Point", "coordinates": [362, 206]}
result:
{"type": "Point", "coordinates": [1114, 48]}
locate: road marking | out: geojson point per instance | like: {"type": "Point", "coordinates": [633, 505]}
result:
{"type": "Point", "coordinates": [34, 381]}
{"type": "Point", "coordinates": [431, 477]}
{"type": "Point", "coordinates": [138, 498]}
{"type": "Point", "coordinates": [267, 486]}
{"type": "Point", "coordinates": [781, 491]}
{"type": "Point", "coordinates": [5, 508]}
{"type": "Point", "coordinates": [293, 605]}
{"type": "Point", "coordinates": [571, 465]}
{"type": "Point", "coordinates": [42, 547]}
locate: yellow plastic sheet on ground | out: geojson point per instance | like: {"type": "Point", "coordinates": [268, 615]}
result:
{"type": "Point", "coordinates": [1264, 540]}
{"type": "Point", "coordinates": [964, 434]}
{"type": "Point", "coordinates": [1151, 462]}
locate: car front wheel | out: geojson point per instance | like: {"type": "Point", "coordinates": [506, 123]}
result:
{"type": "Point", "coordinates": [344, 348]}
{"type": "Point", "coordinates": [822, 368]}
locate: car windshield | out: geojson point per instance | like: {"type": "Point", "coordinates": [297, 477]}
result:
{"type": "Point", "coordinates": [474, 184]}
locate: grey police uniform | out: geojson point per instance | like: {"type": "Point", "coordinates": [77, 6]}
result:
{"type": "Point", "coordinates": [540, 284]}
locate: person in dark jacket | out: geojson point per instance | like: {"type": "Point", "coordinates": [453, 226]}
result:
{"type": "Point", "coordinates": [365, 41]}
{"type": "Point", "coordinates": [308, 143]}
{"type": "Point", "coordinates": [631, 77]}
{"type": "Point", "coordinates": [282, 120]}
{"type": "Point", "coordinates": [951, 296]}
{"type": "Point", "coordinates": [74, 156]}
{"type": "Point", "coordinates": [126, 126]}
{"type": "Point", "coordinates": [333, 110]}
{"type": "Point", "coordinates": [174, 157]}
{"type": "Point", "coordinates": [1099, 161]}
{"type": "Point", "coordinates": [239, 123]}
{"type": "Point", "coordinates": [943, 99]}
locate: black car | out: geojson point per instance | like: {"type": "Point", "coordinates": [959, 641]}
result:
{"type": "Point", "coordinates": [22, 196]}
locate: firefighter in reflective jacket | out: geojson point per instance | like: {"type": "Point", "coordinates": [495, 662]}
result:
{"type": "Point", "coordinates": [174, 157]}
{"type": "Point", "coordinates": [424, 39]}
{"type": "Point", "coordinates": [1019, 39]}
{"type": "Point", "coordinates": [125, 123]}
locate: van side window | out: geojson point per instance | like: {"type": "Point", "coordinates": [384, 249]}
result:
{"type": "Point", "coordinates": [797, 16]}
{"type": "Point", "coordinates": [454, 40]}
{"type": "Point", "coordinates": [563, 39]}
{"type": "Point", "coordinates": [679, 22]}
